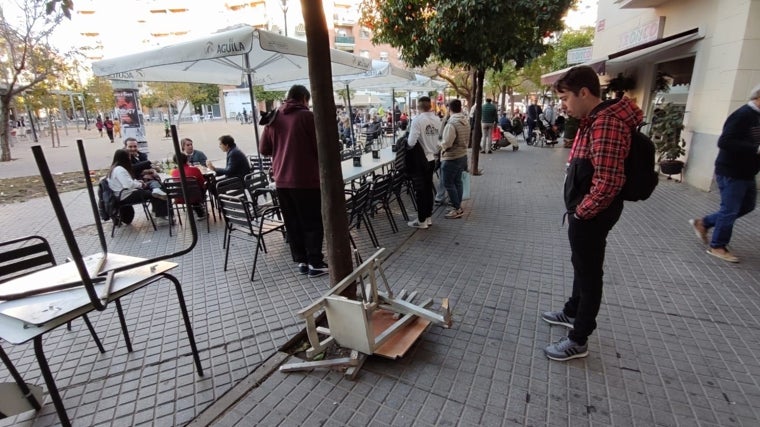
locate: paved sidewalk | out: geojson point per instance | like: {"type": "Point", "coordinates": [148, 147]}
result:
{"type": "Point", "coordinates": [677, 343]}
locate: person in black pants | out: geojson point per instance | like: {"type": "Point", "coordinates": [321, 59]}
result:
{"type": "Point", "coordinates": [532, 113]}
{"type": "Point", "coordinates": [290, 138]}
{"type": "Point", "coordinates": [592, 198]}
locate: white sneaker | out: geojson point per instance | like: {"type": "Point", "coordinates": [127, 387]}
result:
{"type": "Point", "coordinates": [159, 193]}
{"type": "Point", "coordinates": [417, 224]}
{"type": "Point", "coordinates": [429, 221]}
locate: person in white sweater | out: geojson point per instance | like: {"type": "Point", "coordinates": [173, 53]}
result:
{"type": "Point", "coordinates": [424, 131]}
{"type": "Point", "coordinates": [130, 190]}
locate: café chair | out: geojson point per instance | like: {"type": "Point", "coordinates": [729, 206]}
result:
{"type": "Point", "coordinates": [19, 257]}
{"type": "Point", "coordinates": [380, 198]}
{"type": "Point", "coordinates": [357, 208]}
{"type": "Point", "coordinates": [231, 186]}
{"type": "Point", "coordinates": [120, 212]}
{"type": "Point", "coordinates": [243, 222]}
{"type": "Point", "coordinates": [175, 201]}
{"type": "Point", "coordinates": [257, 185]}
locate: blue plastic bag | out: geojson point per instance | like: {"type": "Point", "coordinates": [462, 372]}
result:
{"type": "Point", "coordinates": [465, 185]}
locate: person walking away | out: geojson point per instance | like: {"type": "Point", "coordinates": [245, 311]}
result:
{"type": "Point", "coordinates": [108, 124]}
{"type": "Point", "coordinates": [736, 166]}
{"type": "Point", "coordinates": [456, 136]}
{"type": "Point", "coordinates": [595, 176]}
{"type": "Point", "coordinates": [290, 138]}
{"type": "Point", "coordinates": [488, 118]}
{"type": "Point", "coordinates": [424, 131]}
{"type": "Point", "coordinates": [99, 125]}
{"type": "Point", "coordinates": [237, 162]}
{"type": "Point", "coordinates": [117, 127]}
{"type": "Point", "coordinates": [167, 131]}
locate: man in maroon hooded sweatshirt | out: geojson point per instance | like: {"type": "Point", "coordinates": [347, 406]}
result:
{"type": "Point", "coordinates": [595, 176]}
{"type": "Point", "coordinates": [290, 138]}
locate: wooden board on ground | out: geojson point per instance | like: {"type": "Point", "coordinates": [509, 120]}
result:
{"type": "Point", "coordinates": [399, 343]}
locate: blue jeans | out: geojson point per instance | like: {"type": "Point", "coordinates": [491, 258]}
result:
{"type": "Point", "coordinates": [737, 198]}
{"type": "Point", "coordinates": [451, 175]}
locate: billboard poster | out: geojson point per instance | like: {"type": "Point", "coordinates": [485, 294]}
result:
{"type": "Point", "coordinates": [128, 112]}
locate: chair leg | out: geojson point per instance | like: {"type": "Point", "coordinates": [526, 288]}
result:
{"type": "Point", "coordinates": [149, 216]}
{"type": "Point", "coordinates": [402, 206]}
{"type": "Point", "coordinates": [371, 231]}
{"type": "Point", "coordinates": [50, 382]}
{"type": "Point", "coordinates": [227, 250]}
{"type": "Point", "coordinates": [186, 318]}
{"type": "Point", "coordinates": [124, 329]}
{"type": "Point", "coordinates": [19, 381]}
{"type": "Point", "coordinates": [93, 333]}
{"type": "Point", "coordinates": [256, 257]}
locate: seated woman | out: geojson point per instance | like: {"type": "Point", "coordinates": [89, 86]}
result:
{"type": "Point", "coordinates": [130, 190]}
{"type": "Point", "coordinates": [195, 174]}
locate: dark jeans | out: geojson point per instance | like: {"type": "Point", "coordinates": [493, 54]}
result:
{"type": "Point", "coordinates": [588, 240]}
{"type": "Point", "coordinates": [139, 195]}
{"type": "Point", "coordinates": [451, 176]}
{"type": "Point", "coordinates": [424, 192]}
{"type": "Point", "coordinates": [737, 198]}
{"type": "Point", "coordinates": [302, 212]}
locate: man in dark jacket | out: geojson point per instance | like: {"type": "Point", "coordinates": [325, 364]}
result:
{"type": "Point", "coordinates": [737, 164]}
{"type": "Point", "coordinates": [291, 139]}
{"type": "Point", "coordinates": [237, 163]}
{"type": "Point", "coordinates": [595, 176]}
{"type": "Point", "coordinates": [532, 113]}
{"type": "Point", "coordinates": [139, 160]}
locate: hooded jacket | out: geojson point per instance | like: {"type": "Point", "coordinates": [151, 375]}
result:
{"type": "Point", "coordinates": [291, 139]}
{"type": "Point", "coordinates": [456, 136]}
{"type": "Point", "coordinates": [596, 170]}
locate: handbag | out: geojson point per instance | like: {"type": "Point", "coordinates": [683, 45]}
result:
{"type": "Point", "coordinates": [465, 185]}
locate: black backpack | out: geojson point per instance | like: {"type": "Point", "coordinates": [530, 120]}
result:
{"type": "Point", "coordinates": [640, 176]}
{"type": "Point", "coordinates": [106, 200]}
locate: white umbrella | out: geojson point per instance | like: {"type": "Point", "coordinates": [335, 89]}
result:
{"type": "Point", "coordinates": [225, 58]}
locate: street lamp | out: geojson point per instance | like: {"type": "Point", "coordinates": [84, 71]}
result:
{"type": "Point", "coordinates": [284, 7]}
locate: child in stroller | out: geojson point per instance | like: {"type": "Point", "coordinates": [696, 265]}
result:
{"type": "Point", "coordinates": [545, 133]}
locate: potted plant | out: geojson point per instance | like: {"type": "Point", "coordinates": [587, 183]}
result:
{"type": "Point", "coordinates": [620, 84]}
{"type": "Point", "coordinates": [667, 125]}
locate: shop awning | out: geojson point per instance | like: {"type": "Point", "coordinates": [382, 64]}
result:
{"type": "Point", "coordinates": [615, 62]}
{"type": "Point", "coordinates": [596, 64]}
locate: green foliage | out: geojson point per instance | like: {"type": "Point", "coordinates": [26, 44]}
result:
{"type": "Point", "coordinates": [483, 34]}
{"type": "Point", "coordinates": [267, 96]}
{"type": "Point", "coordinates": [667, 124]}
{"type": "Point", "coordinates": [570, 39]}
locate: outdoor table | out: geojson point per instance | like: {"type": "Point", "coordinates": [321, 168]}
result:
{"type": "Point", "coordinates": [29, 318]}
{"type": "Point", "coordinates": [369, 165]}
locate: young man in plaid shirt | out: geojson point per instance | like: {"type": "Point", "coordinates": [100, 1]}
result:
{"type": "Point", "coordinates": [595, 176]}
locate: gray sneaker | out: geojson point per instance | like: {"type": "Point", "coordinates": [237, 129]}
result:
{"type": "Point", "coordinates": [558, 318]}
{"type": "Point", "coordinates": [565, 349]}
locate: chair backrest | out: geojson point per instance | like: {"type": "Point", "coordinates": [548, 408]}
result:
{"type": "Point", "coordinates": [381, 187]}
{"type": "Point", "coordinates": [230, 186]}
{"type": "Point", "coordinates": [236, 212]}
{"type": "Point", "coordinates": [23, 256]}
{"type": "Point", "coordinates": [358, 203]}
{"type": "Point", "coordinates": [173, 189]}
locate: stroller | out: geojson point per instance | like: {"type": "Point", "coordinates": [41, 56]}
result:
{"type": "Point", "coordinates": [502, 138]}
{"type": "Point", "coordinates": [544, 133]}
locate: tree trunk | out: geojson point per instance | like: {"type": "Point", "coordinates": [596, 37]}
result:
{"type": "Point", "coordinates": [510, 92]}
{"type": "Point", "coordinates": [503, 99]}
{"type": "Point", "coordinates": [5, 137]}
{"type": "Point", "coordinates": [330, 173]}
{"type": "Point", "coordinates": [477, 131]}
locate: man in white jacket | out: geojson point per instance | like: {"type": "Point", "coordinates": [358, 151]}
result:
{"type": "Point", "coordinates": [424, 131]}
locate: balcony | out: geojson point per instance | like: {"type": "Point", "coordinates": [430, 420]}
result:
{"type": "Point", "coordinates": [639, 4]}
{"type": "Point", "coordinates": [345, 18]}
{"type": "Point", "coordinates": [345, 40]}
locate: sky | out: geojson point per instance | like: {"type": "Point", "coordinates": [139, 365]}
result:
{"type": "Point", "coordinates": [118, 29]}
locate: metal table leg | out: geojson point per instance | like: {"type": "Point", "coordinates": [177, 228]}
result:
{"type": "Point", "coordinates": [50, 382]}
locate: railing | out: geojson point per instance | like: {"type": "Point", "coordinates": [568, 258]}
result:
{"type": "Point", "coordinates": [345, 39]}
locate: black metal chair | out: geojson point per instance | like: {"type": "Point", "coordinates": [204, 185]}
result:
{"type": "Point", "coordinates": [380, 198]}
{"type": "Point", "coordinates": [231, 186]}
{"type": "Point", "coordinates": [257, 185]}
{"type": "Point", "coordinates": [19, 257]}
{"type": "Point", "coordinates": [175, 200]}
{"type": "Point", "coordinates": [357, 207]}
{"type": "Point", "coordinates": [120, 212]}
{"type": "Point", "coordinates": [242, 221]}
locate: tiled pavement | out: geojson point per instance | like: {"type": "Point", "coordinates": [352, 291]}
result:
{"type": "Point", "coordinates": [676, 345]}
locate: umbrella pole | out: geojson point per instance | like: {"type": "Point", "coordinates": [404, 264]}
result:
{"type": "Point", "coordinates": [254, 115]}
{"type": "Point", "coordinates": [350, 119]}
{"type": "Point", "coordinates": [393, 114]}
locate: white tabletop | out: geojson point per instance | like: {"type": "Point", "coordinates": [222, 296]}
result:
{"type": "Point", "coordinates": [351, 172]}
{"type": "Point", "coordinates": [23, 319]}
